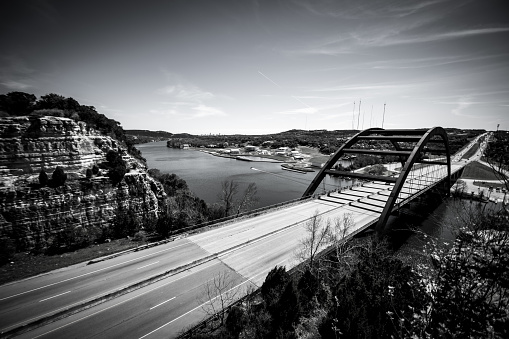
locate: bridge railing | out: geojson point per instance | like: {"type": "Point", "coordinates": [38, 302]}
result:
{"type": "Point", "coordinates": [251, 213]}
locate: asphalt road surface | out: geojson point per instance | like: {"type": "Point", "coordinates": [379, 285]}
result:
{"type": "Point", "coordinates": [247, 249]}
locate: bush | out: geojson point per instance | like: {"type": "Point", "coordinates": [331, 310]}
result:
{"type": "Point", "coordinates": [7, 249]}
{"type": "Point", "coordinates": [58, 177]}
{"type": "Point", "coordinates": [119, 168]}
{"type": "Point", "coordinates": [117, 173]}
{"type": "Point", "coordinates": [43, 178]}
{"type": "Point", "coordinates": [125, 223]}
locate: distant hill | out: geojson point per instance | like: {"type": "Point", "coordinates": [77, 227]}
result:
{"type": "Point", "coordinates": [139, 136]}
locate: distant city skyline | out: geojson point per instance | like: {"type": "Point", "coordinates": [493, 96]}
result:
{"type": "Point", "coordinates": [260, 67]}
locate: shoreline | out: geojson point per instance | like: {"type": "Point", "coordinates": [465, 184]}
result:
{"type": "Point", "coordinates": [244, 157]}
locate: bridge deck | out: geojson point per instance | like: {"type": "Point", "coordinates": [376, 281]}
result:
{"type": "Point", "coordinates": [254, 246]}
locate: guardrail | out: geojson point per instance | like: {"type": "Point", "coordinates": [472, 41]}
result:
{"type": "Point", "coordinates": [254, 212]}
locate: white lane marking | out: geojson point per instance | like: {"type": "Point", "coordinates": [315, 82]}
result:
{"type": "Point", "coordinates": [82, 275]}
{"type": "Point", "coordinates": [201, 305]}
{"type": "Point", "coordinates": [120, 303]}
{"type": "Point", "coordinates": [54, 296]}
{"type": "Point", "coordinates": [164, 302]}
{"type": "Point", "coordinates": [148, 265]}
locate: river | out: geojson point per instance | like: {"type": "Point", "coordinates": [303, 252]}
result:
{"type": "Point", "coordinates": [204, 174]}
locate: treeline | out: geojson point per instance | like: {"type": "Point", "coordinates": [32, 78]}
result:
{"type": "Point", "coordinates": [144, 136]}
{"type": "Point", "coordinates": [363, 290]}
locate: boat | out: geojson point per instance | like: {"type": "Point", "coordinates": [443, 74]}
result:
{"type": "Point", "coordinates": [301, 170]}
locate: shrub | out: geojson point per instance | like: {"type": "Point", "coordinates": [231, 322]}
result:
{"type": "Point", "coordinates": [117, 173]}
{"type": "Point", "coordinates": [58, 177]}
{"type": "Point", "coordinates": [43, 178]}
{"type": "Point", "coordinates": [7, 249]}
{"type": "Point", "coordinates": [125, 223]}
{"type": "Point", "coordinates": [119, 168]}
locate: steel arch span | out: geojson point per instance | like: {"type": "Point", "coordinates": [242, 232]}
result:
{"type": "Point", "coordinates": [427, 147]}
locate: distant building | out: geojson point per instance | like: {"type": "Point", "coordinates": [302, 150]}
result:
{"type": "Point", "coordinates": [184, 146]}
{"type": "Point", "coordinates": [234, 151]}
{"type": "Point", "coordinates": [250, 148]}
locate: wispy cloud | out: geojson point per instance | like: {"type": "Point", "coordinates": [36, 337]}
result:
{"type": "Point", "coordinates": [206, 111]}
{"type": "Point", "coordinates": [361, 87]}
{"type": "Point", "coordinates": [187, 100]}
{"type": "Point", "coordinates": [408, 39]}
{"type": "Point", "coordinates": [15, 85]}
{"type": "Point", "coordinates": [189, 92]}
{"type": "Point", "coordinates": [306, 110]}
{"type": "Point", "coordinates": [359, 10]}
{"type": "Point", "coordinates": [428, 62]}
{"type": "Point", "coordinates": [314, 109]}
{"type": "Point", "coordinates": [15, 74]}
{"type": "Point", "coordinates": [461, 105]}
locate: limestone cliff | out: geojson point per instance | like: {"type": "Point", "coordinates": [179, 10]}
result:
{"type": "Point", "coordinates": [32, 214]}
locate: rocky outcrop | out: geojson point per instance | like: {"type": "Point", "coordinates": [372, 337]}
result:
{"type": "Point", "coordinates": [29, 144]}
{"type": "Point", "coordinates": [32, 214]}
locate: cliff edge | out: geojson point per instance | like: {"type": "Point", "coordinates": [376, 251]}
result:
{"type": "Point", "coordinates": [34, 215]}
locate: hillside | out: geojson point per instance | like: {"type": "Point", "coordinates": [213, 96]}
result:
{"type": "Point", "coordinates": [64, 180]}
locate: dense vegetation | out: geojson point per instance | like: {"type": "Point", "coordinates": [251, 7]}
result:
{"type": "Point", "coordinates": [143, 136]}
{"type": "Point", "coordinates": [363, 290]}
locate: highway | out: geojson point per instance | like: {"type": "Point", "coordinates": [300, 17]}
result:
{"type": "Point", "coordinates": [38, 297]}
{"type": "Point", "coordinates": [247, 248]}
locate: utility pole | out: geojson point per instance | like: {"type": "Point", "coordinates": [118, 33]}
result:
{"type": "Point", "coordinates": [353, 116]}
{"type": "Point", "coordinates": [371, 117]}
{"type": "Point", "coordinates": [359, 116]}
{"type": "Point", "coordinates": [383, 117]}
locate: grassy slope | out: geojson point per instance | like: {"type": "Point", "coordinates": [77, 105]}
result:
{"type": "Point", "coordinates": [478, 171]}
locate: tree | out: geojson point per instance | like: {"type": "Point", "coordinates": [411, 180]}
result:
{"type": "Point", "coordinates": [228, 197]}
{"type": "Point", "coordinates": [318, 236]}
{"type": "Point", "coordinates": [459, 187]}
{"type": "Point", "coordinates": [496, 154]}
{"type": "Point", "coordinates": [248, 199]}
{"type": "Point", "coordinates": [119, 167]}
{"type": "Point", "coordinates": [274, 284]}
{"type": "Point", "coordinates": [377, 300]}
{"type": "Point", "coordinates": [58, 177]}
{"type": "Point", "coordinates": [17, 103]}
{"type": "Point", "coordinates": [377, 169]}
{"type": "Point", "coordinates": [345, 251]}
{"type": "Point", "coordinates": [43, 178]}
{"type": "Point", "coordinates": [125, 223]}
{"type": "Point", "coordinates": [218, 294]}
{"type": "Point", "coordinates": [55, 101]}
{"type": "Point", "coordinates": [165, 221]}
{"type": "Point", "coordinates": [468, 281]}
{"type": "Point", "coordinates": [229, 190]}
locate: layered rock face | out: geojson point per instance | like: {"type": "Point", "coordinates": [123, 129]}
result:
{"type": "Point", "coordinates": [29, 144]}
{"type": "Point", "coordinates": [33, 215]}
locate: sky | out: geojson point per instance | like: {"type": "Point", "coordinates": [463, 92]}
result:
{"type": "Point", "coordinates": [260, 67]}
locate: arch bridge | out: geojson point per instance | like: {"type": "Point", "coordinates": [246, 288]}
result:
{"type": "Point", "coordinates": [423, 158]}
